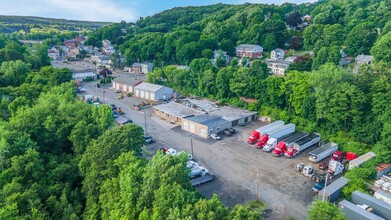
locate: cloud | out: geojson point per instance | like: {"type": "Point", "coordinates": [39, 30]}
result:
{"type": "Point", "coordinates": [97, 10]}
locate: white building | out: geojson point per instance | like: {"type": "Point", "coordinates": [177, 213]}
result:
{"type": "Point", "coordinates": [53, 53]}
{"type": "Point", "coordinates": [153, 91]}
{"type": "Point", "coordinates": [277, 54]}
{"type": "Point", "coordinates": [361, 60]}
{"type": "Point", "coordinates": [278, 67]}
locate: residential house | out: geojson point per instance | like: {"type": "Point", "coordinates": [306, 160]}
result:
{"type": "Point", "coordinates": [70, 43]}
{"type": "Point", "coordinates": [220, 54]}
{"type": "Point", "coordinates": [87, 49]}
{"type": "Point", "coordinates": [291, 58]}
{"type": "Point", "coordinates": [100, 60]}
{"type": "Point", "coordinates": [277, 54]}
{"type": "Point", "coordinates": [73, 53]}
{"type": "Point", "coordinates": [106, 43]}
{"type": "Point", "coordinates": [108, 50]}
{"type": "Point", "coordinates": [361, 60]}
{"type": "Point", "coordinates": [278, 67]}
{"type": "Point", "coordinates": [139, 68]}
{"type": "Point", "coordinates": [64, 50]}
{"type": "Point", "coordinates": [345, 60]}
{"type": "Point", "coordinates": [53, 53]}
{"type": "Point", "coordinates": [249, 50]}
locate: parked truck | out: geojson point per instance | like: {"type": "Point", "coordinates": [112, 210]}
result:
{"type": "Point", "coordinates": [335, 168]}
{"type": "Point", "coordinates": [361, 159]}
{"type": "Point", "coordinates": [342, 157]}
{"type": "Point", "coordinates": [302, 144]}
{"type": "Point", "coordinates": [275, 135]}
{"type": "Point", "coordinates": [266, 136]}
{"type": "Point", "coordinates": [283, 145]}
{"type": "Point", "coordinates": [256, 134]}
{"type": "Point", "coordinates": [322, 152]}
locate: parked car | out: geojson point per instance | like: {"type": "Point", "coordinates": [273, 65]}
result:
{"type": "Point", "coordinates": [117, 91]}
{"type": "Point", "coordinates": [113, 107]}
{"type": "Point", "coordinates": [148, 139]}
{"type": "Point", "coordinates": [324, 165]}
{"type": "Point", "coordinates": [215, 136]}
{"type": "Point", "coordinates": [233, 131]}
{"type": "Point", "coordinates": [227, 132]}
{"type": "Point", "coordinates": [115, 114]}
{"type": "Point", "coordinates": [127, 121]}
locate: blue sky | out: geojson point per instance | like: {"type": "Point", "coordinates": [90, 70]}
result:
{"type": "Point", "coordinates": [108, 10]}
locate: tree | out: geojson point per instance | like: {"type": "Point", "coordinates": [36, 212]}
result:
{"type": "Point", "coordinates": [360, 39]}
{"type": "Point", "coordinates": [381, 49]}
{"type": "Point", "coordinates": [37, 56]}
{"type": "Point", "coordinates": [13, 73]}
{"type": "Point", "coordinates": [293, 19]}
{"type": "Point", "coordinates": [325, 211]}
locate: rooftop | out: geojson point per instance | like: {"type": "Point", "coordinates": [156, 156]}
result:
{"type": "Point", "coordinates": [277, 61]}
{"type": "Point", "coordinates": [382, 166]}
{"type": "Point", "coordinates": [336, 185]}
{"type": "Point", "coordinates": [247, 46]}
{"type": "Point", "coordinates": [364, 58]}
{"type": "Point", "coordinates": [344, 204]}
{"type": "Point", "coordinates": [149, 87]}
{"type": "Point", "coordinates": [207, 120]}
{"type": "Point", "coordinates": [127, 79]}
{"type": "Point", "coordinates": [178, 110]}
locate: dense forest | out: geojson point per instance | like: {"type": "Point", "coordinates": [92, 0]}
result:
{"type": "Point", "coordinates": [11, 24]}
{"type": "Point", "coordinates": [64, 159]}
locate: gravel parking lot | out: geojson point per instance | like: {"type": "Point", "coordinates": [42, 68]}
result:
{"type": "Point", "coordinates": [235, 163]}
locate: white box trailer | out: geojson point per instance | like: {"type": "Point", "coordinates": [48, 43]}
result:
{"type": "Point", "coordinates": [322, 152]}
{"type": "Point", "coordinates": [270, 127]}
{"type": "Point", "coordinates": [282, 131]}
{"type": "Point", "coordinates": [382, 195]}
{"type": "Point", "coordinates": [361, 159]}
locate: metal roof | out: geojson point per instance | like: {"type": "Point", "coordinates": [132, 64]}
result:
{"type": "Point", "coordinates": [207, 120]}
{"type": "Point", "coordinates": [344, 205]}
{"type": "Point", "coordinates": [336, 185]}
{"type": "Point", "coordinates": [364, 58]}
{"type": "Point", "coordinates": [247, 46]}
{"type": "Point", "coordinates": [323, 148]}
{"type": "Point", "coordinates": [127, 79]}
{"type": "Point", "coordinates": [149, 87]}
{"type": "Point", "coordinates": [363, 158]}
{"type": "Point", "coordinates": [307, 138]}
{"type": "Point", "coordinates": [178, 110]}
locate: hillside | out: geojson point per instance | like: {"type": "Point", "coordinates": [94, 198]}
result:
{"type": "Point", "coordinates": [9, 24]}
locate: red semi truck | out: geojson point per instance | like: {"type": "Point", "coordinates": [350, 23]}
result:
{"type": "Point", "coordinates": [302, 144]}
{"type": "Point", "coordinates": [256, 134]}
{"type": "Point", "coordinates": [283, 145]}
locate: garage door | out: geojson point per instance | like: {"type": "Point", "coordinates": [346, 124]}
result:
{"type": "Point", "coordinates": [235, 123]}
{"type": "Point", "coordinates": [117, 85]}
{"type": "Point", "coordinates": [146, 95]}
{"type": "Point", "coordinates": [152, 96]}
{"type": "Point", "coordinates": [142, 94]}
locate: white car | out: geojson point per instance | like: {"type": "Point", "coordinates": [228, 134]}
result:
{"type": "Point", "coordinates": [215, 136]}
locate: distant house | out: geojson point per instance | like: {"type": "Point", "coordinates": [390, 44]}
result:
{"type": "Point", "coordinates": [345, 60]}
{"type": "Point", "coordinates": [53, 53]}
{"type": "Point", "coordinates": [277, 54]}
{"type": "Point", "coordinates": [278, 67]}
{"type": "Point", "coordinates": [220, 53]}
{"type": "Point", "coordinates": [87, 49]}
{"type": "Point", "coordinates": [182, 67]}
{"type": "Point", "coordinates": [73, 52]}
{"type": "Point", "coordinates": [139, 68]}
{"type": "Point", "coordinates": [360, 60]}
{"type": "Point", "coordinates": [249, 50]}
{"type": "Point", "coordinates": [79, 39]}
{"type": "Point", "coordinates": [106, 43]}
{"type": "Point", "coordinates": [70, 43]}
{"type": "Point", "coordinates": [100, 60]}
{"type": "Point", "coordinates": [108, 50]}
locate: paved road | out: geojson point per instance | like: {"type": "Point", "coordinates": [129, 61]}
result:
{"type": "Point", "coordinates": [235, 163]}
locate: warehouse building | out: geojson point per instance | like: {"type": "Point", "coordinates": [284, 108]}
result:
{"type": "Point", "coordinates": [364, 206]}
{"type": "Point", "coordinates": [125, 83]}
{"type": "Point", "coordinates": [204, 125]}
{"type": "Point", "coordinates": [174, 112]}
{"type": "Point", "coordinates": [153, 91]}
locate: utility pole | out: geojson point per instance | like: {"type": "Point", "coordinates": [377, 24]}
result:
{"type": "Point", "coordinates": [257, 188]}
{"type": "Point", "coordinates": [191, 145]}
{"type": "Point", "coordinates": [324, 189]}
{"type": "Point", "coordinates": [145, 122]}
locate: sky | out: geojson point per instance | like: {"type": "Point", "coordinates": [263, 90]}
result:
{"type": "Point", "coordinates": [108, 10]}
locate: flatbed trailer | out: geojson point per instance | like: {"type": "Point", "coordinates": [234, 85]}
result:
{"type": "Point", "coordinates": [203, 179]}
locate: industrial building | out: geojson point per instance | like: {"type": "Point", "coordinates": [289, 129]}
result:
{"type": "Point", "coordinates": [125, 83]}
{"type": "Point", "coordinates": [333, 191]}
{"type": "Point", "coordinates": [153, 91]}
{"type": "Point", "coordinates": [364, 206]}
{"type": "Point", "coordinates": [174, 112]}
{"type": "Point", "coordinates": [203, 117]}
{"type": "Point", "coordinates": [204, 125]}
{"type": "Point", "coordinates": [81, 75]}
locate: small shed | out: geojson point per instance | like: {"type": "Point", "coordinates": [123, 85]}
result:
{"type": "Point", "coordinates": [204, 125]}
{"type": "Point", "coordinates": [333, 191]}
{"type": "Point", "coordinates": [382, 169]}
{"type": "Point", "coordinates": [153, 91]}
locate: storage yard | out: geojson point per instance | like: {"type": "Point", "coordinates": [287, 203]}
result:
{"type": "Point", "coordinates": [235, 162]}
